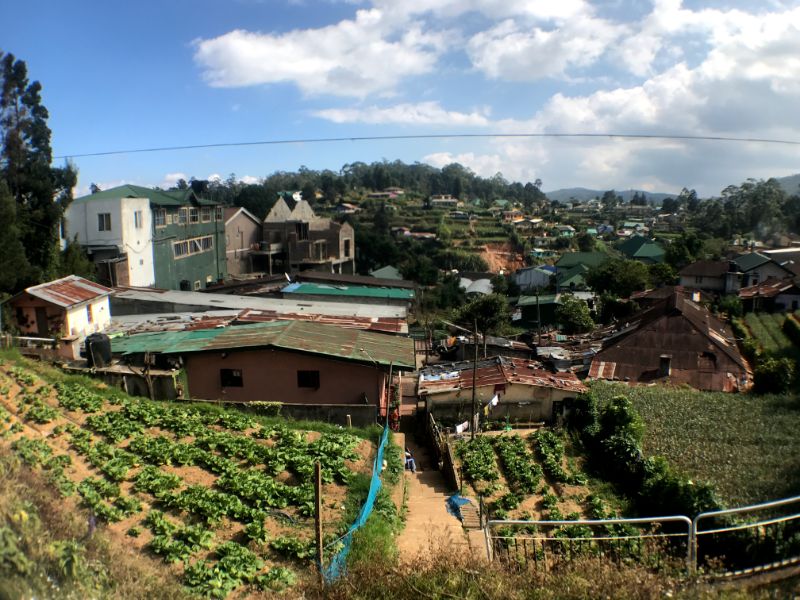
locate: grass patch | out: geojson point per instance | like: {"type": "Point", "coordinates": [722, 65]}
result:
{"type": "Point", "coordinates": [745, 446]}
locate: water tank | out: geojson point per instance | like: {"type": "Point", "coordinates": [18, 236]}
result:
{"type": "Point", "coordinates": [98, 350]}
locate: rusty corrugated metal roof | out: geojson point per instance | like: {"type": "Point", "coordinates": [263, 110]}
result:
{"type": "Point", "coordinates": [383, 324]}
{"type": "Point", "coordinates": [68, 291]}
{"type": "Point", "coordinates": [298, 336]}
{"type": "Point", "coordinates": [499, 370]}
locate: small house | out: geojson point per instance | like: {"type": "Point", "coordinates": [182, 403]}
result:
{"type": "Point", "coordinates": [523, 388]}
{"type": "Point", "coordinates": [67, 309]}
{"type": "Point", "coordinates": [677, 341]}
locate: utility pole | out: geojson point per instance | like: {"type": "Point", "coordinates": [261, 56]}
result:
{"type": "Point", "coordinates": [538, 320]}
{"type": "Point", "coordinates": [318, 516]}
{"type": "Point", "coordinates": [474, 419]}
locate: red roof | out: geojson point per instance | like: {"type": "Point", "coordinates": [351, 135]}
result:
{"type": "Point", "coordinates": [768, 288]}
{"type": "Point", "coordinates": [68, 291]}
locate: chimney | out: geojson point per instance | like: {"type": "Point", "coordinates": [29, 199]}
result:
{"type": "Point", "coordinates": [665, 365]}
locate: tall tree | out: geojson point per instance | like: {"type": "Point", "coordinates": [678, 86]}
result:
{"type": "Point", "coordinates": [41, 192]}
{"type": "Point", "coordinates": [14, 265]}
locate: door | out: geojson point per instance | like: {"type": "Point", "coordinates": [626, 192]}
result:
{"type": "Point", "coordinates": [41, 322]}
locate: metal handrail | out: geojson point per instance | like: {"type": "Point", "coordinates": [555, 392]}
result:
{"type": "Point", "coordinates": [640, 520]}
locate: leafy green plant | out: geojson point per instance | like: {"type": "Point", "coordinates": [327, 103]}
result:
{"type": "Point", "coordinates": [519, 467]}
{"type": "Point", "coordinates": [477, 457]}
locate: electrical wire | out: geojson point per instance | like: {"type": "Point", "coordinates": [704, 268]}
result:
{"type": "Point", "coordinates": [434, 136]}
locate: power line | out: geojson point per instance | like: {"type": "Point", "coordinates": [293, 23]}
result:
{"type": "Point", "coordinates": [433, 136]}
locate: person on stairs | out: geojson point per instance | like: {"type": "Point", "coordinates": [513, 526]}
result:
{"type": "Point", "coordinates": [410, 462]}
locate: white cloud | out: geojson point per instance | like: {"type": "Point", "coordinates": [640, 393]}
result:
{"type": "Point", "coordinates": [171, 180]}
{"type": "Point", "coordinates": [249, 180]}
{"type": "Point", "coordinates": [351, 58]}
{"type": "Point", "coordinates": [515, 51]}
{"type": "Point", "coordinates": [423, 113]}
{"type": "Point", "coordinates": [214, 177]}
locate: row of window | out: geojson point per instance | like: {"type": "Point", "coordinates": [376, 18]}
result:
{"type": "Point", "coordinates": [161, 218]}
{"type": "Point", "coordinates": [186, 215]}
{"type": "Point", "coordinates": [193, 246]}
{"type": "Point", "coordinates": [234, 378]}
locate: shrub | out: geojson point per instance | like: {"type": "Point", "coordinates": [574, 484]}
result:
{"type": "Point", "coordinates": [773, 375]}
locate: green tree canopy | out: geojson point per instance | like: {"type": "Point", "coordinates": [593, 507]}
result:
{"type": "Point", "coordinates": [618, 277]}
{"type": "Point", "coordinates": [491, 313]}
{"type": "Point", "coordinates": [573, 315]}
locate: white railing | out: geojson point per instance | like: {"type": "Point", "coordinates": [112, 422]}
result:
{"type": "Point", "coordinates": [768, 546]}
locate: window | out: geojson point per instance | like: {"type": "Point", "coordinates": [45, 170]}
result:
{"type": "Point", "coordinates": [160, 217]}
{"type": "Point", "coordinates": [209, 279]}
{"type": "Point", "coordinates": [194, 215]}
{"type": "Point", "coordinates": [89, 315]}
{"type": "Point", "coordinates": [231, 378]}
{"type": "Point", "coordinates": [698, 279]}
{"type": "Point", "coordinates": [301, 229]}
{"type": "Point", "coordinates": [196, 285]}
{"type": "Point", "coordinates": [104, 222]}
{"type": "Point", "coordinates": [308, 379]}
{"type": "Point", "coordinates": [182, 216]}
{"type": "Point", "coordinates": [193, 246]}
{"type": "Point", "coordinates": [180, 249]}
{"type": "Point", "coordinates": [218, 213]}
{"type": "Point", "coordinates": [347, 248]}
{"type": "Point", "coordinates": [205, 214]}
{"type": "Point", "coordinates": [137, 219]}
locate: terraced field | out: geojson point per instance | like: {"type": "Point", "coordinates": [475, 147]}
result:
{"type": "Point", "coordinates": [225, 496]}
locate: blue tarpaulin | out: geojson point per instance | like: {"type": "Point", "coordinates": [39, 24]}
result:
{"type": "Point", "coordinates": [454, 504]}
{"type": "Point", "coordinates": [338, 564]}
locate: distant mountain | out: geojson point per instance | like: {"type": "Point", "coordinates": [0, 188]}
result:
{"type": "Point", "coordinates": [790, 184]}
{"type": "Point", "coordinates": [583, 194]}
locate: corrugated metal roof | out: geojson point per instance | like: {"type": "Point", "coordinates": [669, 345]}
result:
{"type": "Point", "coordinates": [68, 291]}
{"type": "Point", "coordinates": [195, 301]}
{"type": "Point", "coordinates": [298, 336]}
{"type": "Point", "coordinates": [383, 324]}
{"type": "Point", "coordinates": [499, 370]}
{"type": "Point", "coordinates": [157, 197]}
{"type": "Point", "coordinates": [354, 291]}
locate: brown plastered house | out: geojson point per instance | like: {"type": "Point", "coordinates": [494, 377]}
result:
{"type": "Point", "coordinates": [242, 236]}
{"type": "Point", "coordinates": [295, 363]}
{"type": "Point", "coordinates": [676, 341]}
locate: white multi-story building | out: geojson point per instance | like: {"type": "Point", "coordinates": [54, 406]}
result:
{"type": "Point", "coordinates": [112, 227]}
{"type": "Point", "coordinates": [141, 237]}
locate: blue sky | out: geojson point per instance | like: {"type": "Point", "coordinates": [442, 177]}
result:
{"type": "Point", "coordinates": [147, 74]}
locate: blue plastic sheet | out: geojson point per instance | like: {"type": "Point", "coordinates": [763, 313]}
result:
{"type": "Point", "coordinates": [454, 504]}
{"type": "Point", "coordinates": [338, 564]}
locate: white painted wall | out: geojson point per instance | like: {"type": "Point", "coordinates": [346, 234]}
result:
{"type": "Point", "coordinates": [77, 321]}
{"type": "Point", "coordinates": [137, 243]}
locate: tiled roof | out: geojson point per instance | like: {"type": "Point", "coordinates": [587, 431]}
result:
{"type": "Point", "coordinates": [298, 336]}
{"type": "Point", "coordinates": [68, 291]}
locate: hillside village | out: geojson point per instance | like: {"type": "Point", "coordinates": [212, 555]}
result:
{"type": "Point", "coordinates": [329, 384]}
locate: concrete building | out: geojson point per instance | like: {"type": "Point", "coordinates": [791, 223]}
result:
{"type": "Point", "coordinates": [142, 237]}
{"type": "Point", "coordinates": [296, 239]}
{"type": "Point", "coordinates": [67, 309]}
{"type": "Point", "coordinates": [242, 236]}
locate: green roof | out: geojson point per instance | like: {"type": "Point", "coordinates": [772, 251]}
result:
{"type": "Point", "coordinates": [387, 272]}
{"type": "Point", "coordinates": [641, 247]}
{"type": "Point", "coordinates": [543, 299]}
{"type": "Point", "coordinates": [751, 260]}
{"type": "Point", "coordinates": [590, 259]}
{"type": "Point", "coordinates": [574, 276]}
{"type": "Point", "coordinates": [297, 336]}
{"type": "Point", "coordinates": [348, 291]}
{"type": "Point", "coordinates": [157, 197]}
